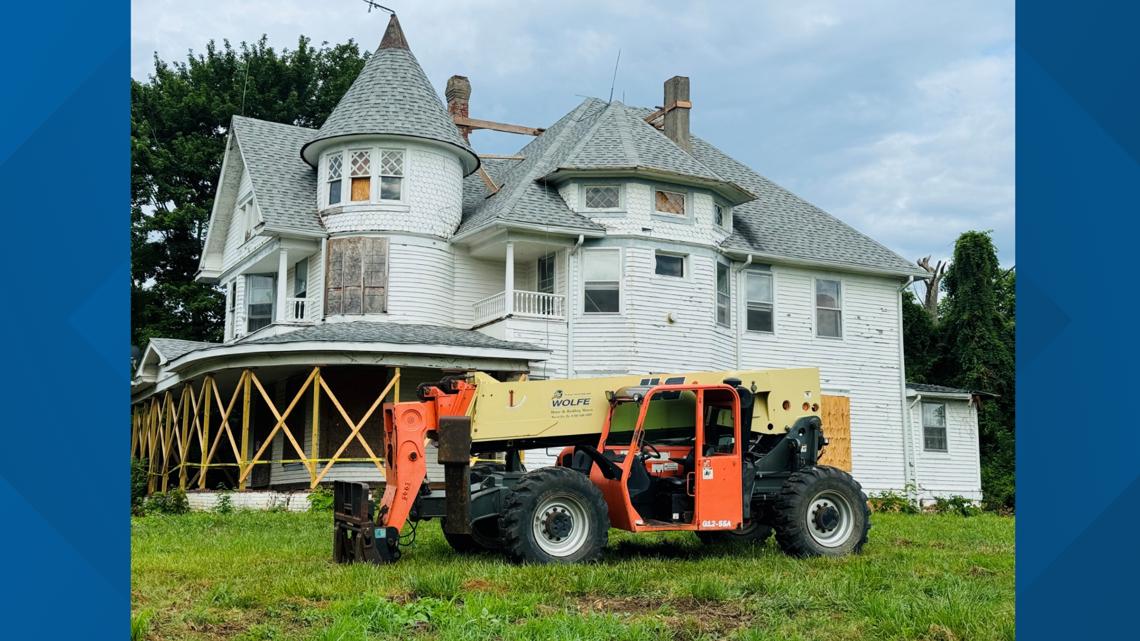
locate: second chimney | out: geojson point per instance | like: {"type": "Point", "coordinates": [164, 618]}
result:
{"type": "Point", "coordinates": [677, 107]}
{"type": "Point", "coordinates": [458, 94]}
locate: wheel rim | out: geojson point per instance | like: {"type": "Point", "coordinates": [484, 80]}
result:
{"type": "Point", "coordinates": [560, 525]}
{"type": "Point", "coordinates": [830, 519]}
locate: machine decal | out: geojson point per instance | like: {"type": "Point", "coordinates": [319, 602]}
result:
{"type": "Point", "coordinates": [720, 523]}
{"type": "Point", "coordinates": [707, 471]}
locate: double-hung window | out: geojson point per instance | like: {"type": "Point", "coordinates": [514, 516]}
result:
{"type": "Point", "coordinates": [760, 311]}
{"type": "Point", "coordinates": [360, 167]}
{"type": "Point", "coordinates": [391, 174]}
{"type": "Point", "coordinates": [601, 281]}
{"type": "Point", "coordinates": [934, 427]}
{"type": "Point", "coordinates": [545, 274]}
{"type": "Point", "coordinates": [259, 301]}
{"type": "Point", "coordinates": [723, 295]}
{"type": "Point", "coordinates": [334, 176]}
{"type": "Point", "coordinates": [828, 308]}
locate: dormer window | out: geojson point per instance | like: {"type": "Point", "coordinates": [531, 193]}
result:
{"type": "Point", "coordinates": [360, 163]}
{"type": "Point", "coordinates": [391, 174]}
{"type": "Point", "coordinates": [722, 215]}
{"type": "Point", "coordinates": [334, 177]}
{"type": "Point", "coordinates": [601, 197]}
{"type": "Point", "coordinates": [669, 202]}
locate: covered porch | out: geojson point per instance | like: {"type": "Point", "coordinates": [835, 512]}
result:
{"type": "Point", "coordinates": [534, 281]}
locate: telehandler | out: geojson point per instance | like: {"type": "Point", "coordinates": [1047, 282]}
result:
{"type": "Point", "coordinates": [727, 455]}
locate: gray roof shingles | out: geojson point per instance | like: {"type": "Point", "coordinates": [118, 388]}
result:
{"type": "Point", "coordinates": [393, 96]}
{"type": "Point", "coordinates": [284, 186]}
{"type": "Point", "coordinates": [394, 333]}
{"type": "Point", "coordinates": [172, 348]}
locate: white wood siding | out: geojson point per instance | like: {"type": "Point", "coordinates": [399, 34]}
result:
{"type": "Point", "coordinates": [865, 364]}
{"type": "Point", "coordinates": [475, 279]}
{"type": "Point", "coordinates": [957, 471]}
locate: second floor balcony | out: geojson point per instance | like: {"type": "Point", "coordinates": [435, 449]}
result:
{"type": "Point", "coordinates": [520, 303]}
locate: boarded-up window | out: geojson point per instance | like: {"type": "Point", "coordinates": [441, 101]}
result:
{"type": "Point", "coordinates": [357, 276]}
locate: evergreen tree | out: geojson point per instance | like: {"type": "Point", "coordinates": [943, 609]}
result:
{"type": "Point", "coordinates": [977, 353]}
{"type": "Point", "coordinates": [180, 117]}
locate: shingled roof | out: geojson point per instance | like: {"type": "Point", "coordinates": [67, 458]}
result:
{"type": "Point", "coordinates": [284, 186]}
{"type": "Point", "coordinates": [393, 333]}
{"type": "Point", "coordinates": [600, 136]}
{"type": "Point", "coordinates": [391, 96]}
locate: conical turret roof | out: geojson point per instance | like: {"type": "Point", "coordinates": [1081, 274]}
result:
{"type": "Point", "coordinates": [391, 96]}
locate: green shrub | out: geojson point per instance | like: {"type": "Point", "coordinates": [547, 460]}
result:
{"type": "Point", "coordinates": [890, 501]}
{"type": "Point", "coordinates": [172, 502]}
{"type": "Point", "coordinates": [321, 500]}
{"type": "Point", "coordinates": [225, 503]}
{"type": "Point", "coordinates": [138, 482]}
{"type": "Point", "coordinates": [956, 505]}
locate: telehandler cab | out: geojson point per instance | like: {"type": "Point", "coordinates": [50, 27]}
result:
{"type": "Point", "coordinates": [727, 455]}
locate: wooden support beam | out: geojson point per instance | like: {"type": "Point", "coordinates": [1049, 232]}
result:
{"type": "Point", "coordinates": [280, 426]}
{"type": "Point", "coordinates": [184, 441]}
{"type": "Point", "coordinates": [500, 157]}
{"type": "Point", "coordinates": [473, 123]}
{"type": "Point", "coordinates": [315, 450]}
{"type": "Point", "coordinates": [356, 426]}
{"type": "Point", "coordinates": [490, 184]}
{"type": "Point", "coordinates": [244, 451]}
{"type": "Point", "coordinates": [660, 113]}
{"type": "Point", "coordinates": [204, 436]}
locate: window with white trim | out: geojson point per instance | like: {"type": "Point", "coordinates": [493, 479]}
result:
{"type": "Point", "coordinates": [934, 427]}
{"type": "Point", "coordinates": [760, 311]}
{"type": "Point", "coordinates": [259, 303]}
{"type": "Point", "coordinates": [360, 170]}
{"type": "Point", "coordinates": [334, 176]}
{"type": "Point", "coordinates": [669, 202]}
{"type": "Point", "coordinates": [670, 264]}
{"type": "Point", "coordinates": [301, 279]}
{"type": "Point", "coordinates": [601, 197]}
{"type": "Point", "coordinates": [828, 308]}
{"type": "Point", "coordinates": [722, 215]}
{"type": "Point", "coordinates": [723, 295]}
{"type": "Point", "coordinates": [601, 281]}
{"type": "Point", "coordinates": [391, 174]}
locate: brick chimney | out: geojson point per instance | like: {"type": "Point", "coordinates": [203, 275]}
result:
{"type": "Point", "coordinates": [458, 93]}
{"type": "Point", "coordinates": [677, 107]}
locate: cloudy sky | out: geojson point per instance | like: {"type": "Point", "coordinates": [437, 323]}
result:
{"type": "Point", "coordinates": [897, 117]}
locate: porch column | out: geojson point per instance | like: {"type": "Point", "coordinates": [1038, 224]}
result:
{"type": "Point", "coordinates": [509, 291]}
{"type": "Point", "coordinates": [282, 284]}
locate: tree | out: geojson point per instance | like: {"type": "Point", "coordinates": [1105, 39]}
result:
{"type": "Point", "coordinates": [920, 340]}
{"type": "Point", "coordinates": [977, 353]}
{"type": "Point", "coordinates": [180, 117]}
{"type": "Point", "coordinates": [933, 284]}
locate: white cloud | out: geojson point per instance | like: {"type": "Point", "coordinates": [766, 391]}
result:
{"type": "Point", "coordinates": [895, 116]}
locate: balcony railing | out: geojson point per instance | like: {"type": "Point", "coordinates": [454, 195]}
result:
{"type": "Point", "coordinates": [296, 310]}
{"type": "Point", "coordinates": [523, 304]}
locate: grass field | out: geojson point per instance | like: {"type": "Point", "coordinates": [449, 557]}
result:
{"type": "Point", "coordinates": [269, 576]}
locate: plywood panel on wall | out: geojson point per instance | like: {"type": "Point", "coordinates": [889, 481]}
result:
{"type": "Point", "coordinates": [836, 415]}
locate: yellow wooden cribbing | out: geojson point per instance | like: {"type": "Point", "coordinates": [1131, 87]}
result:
{"type": "Point", "coordinates": [245, 399]}
{"type": "Point", "coordinates": [315, 450]}
{"type": "Point", "coordinates": [355, 433]}
{"type": "Point", "coordinates": [279, 426]}
{"type": "Point", "coordinates": [205, 436]}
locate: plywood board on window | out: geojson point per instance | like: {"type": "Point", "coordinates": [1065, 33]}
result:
{"type": "Point", "coordinates": [836, 416]}
{"type": "Point", "coordinates": [361, 188]}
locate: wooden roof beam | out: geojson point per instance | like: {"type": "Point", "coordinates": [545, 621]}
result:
{"type": "Point", "coordinates": [660, 113]}
{"type": "Point", "coordinates": [474, 123]}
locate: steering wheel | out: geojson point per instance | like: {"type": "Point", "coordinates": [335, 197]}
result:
{"type": "Point", "coordinates": [647, 446]}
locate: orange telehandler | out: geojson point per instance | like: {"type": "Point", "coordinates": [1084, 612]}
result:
{"type": "Point", "coordinates": [727, 455]}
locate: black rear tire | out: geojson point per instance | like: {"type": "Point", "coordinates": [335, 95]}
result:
{"type": "Point", "coordinates": [822, 511]}
{"type": "Point", "coordinates": [484, 537]}
{"type": "Point", "coordinates": [554, 515]}
{"type": "Point", "coordinates": [755, 533]}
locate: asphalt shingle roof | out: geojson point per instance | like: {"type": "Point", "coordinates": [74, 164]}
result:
{"type": "Point", "coordinates": [936, 389]}
{"type": "Point", "coordinates": [395, 333]}
{"type": "Point", "coordinates": [172, 348]}
{"type": "Point", "coordinates": [284, 186]}
{"type": "Point", "coordinates": [392, 95]}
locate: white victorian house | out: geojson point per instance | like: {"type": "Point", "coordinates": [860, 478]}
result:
{"type": "Point", "coordinates": [616, 241]}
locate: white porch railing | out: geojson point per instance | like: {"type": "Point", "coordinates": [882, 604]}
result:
{"type": "Point", "coordinates": [523, 304]}
{"type": "Point", "coordinates": [295, 309]}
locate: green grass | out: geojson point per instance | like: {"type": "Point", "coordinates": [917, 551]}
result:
{"type": "Point", "coordinates": [253, 575]}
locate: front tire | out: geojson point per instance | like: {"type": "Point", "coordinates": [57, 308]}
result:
{"type": "Point", "coordinates": [822, 511]}
{"type": "Point", "coordinates": [554, 515]}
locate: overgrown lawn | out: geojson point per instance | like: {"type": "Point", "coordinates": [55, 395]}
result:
{"type": "Point", "coordinates": [255, 575]}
